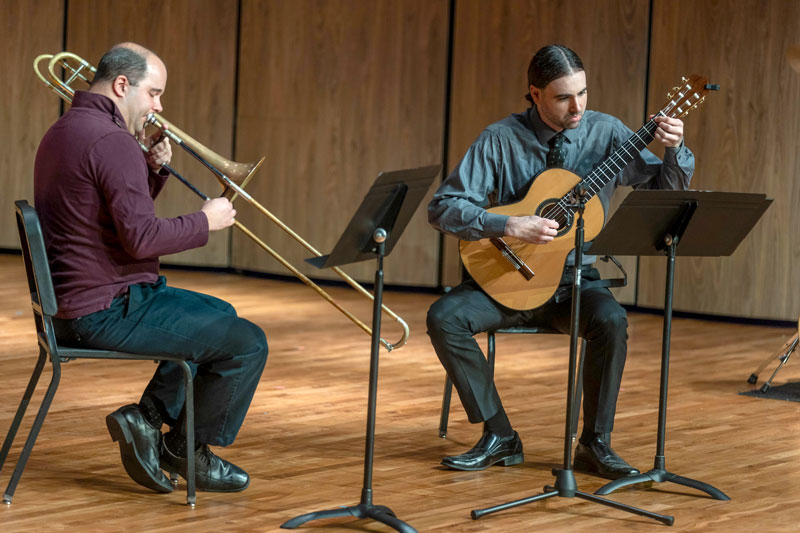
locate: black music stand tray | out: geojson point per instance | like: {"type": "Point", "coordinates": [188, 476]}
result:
{"type": "Point", "coordinates": [372, 232]}
{"type": "Point", "coordinates": [565, 485]}
{"type": "Point", "coordinates": [658, 223]}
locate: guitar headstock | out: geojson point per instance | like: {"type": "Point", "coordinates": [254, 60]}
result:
{"type": "Point", "coordinates": [687, 96]}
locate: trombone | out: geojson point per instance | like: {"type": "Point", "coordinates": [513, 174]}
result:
{"type": "Point", "coordinates": [227, 172]}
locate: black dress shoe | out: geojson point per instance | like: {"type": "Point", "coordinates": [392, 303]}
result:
{"type": "Point", "coordinates": [598, 458]}
{"type": "Point", "coordinates": [491, 449]}
{"type": "Point", "coordinates": [139, 444]}
{"type": "Point", "coordinates": [212, 473]}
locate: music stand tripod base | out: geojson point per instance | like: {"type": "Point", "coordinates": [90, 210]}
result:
{"type": "Point", "coordinates": [379, 513]}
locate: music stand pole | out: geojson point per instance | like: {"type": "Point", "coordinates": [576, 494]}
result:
{"type": "Point", "coordinates": [365, 509]}
{"type": "Point", "coordinates": [565, 485]}
{"type": "Point", "coordinates": [372, 232]}
{"type": "Point", "coordinates": [659, 472]}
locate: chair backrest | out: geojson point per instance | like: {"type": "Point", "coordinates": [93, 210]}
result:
{"type": "Point", "coordinates": [40, 284]}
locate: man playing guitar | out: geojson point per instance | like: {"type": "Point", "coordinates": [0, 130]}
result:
{"type": "Point", "coordinates": [498, 169]}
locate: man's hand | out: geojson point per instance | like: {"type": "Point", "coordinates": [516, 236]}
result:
{"type": "Point", "coordinates": [159, 150]}
{"type": "Point", "coordinates": [532, 229]}
{"type": "Point", "coordinates": [669, 131]}
{"type": "Point", "coordinates": [220, 213]}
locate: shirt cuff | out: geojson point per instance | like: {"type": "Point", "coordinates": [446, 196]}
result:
{"type": "Point", "coordinates": [671, 154]}
{"type": "Point", "coordinates": [495, 225]}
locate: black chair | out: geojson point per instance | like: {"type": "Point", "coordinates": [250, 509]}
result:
{"type": "Point", "coordinates": [43, 302]}
{"type": "Point", "coordinates": [448, 385]}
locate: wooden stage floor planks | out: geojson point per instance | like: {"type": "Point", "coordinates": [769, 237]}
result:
{"type": "Point", "coordinates": [303, 439]}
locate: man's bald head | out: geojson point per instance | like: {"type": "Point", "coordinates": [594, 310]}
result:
{"type": "Point", "coordinates": [125, 59]}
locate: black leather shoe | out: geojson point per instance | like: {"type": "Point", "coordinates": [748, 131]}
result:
{"type": "Point", "coordinates": [491, 449]}
{"type": "Point", "coordinates": [139, 444]}
{"type": "Point", "coordinates": [598, 458]}
{"type": "Point", "coordinates": [212, 473]}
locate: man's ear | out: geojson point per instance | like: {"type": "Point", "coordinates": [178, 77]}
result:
{"type": "Point", "coordinates": [120, 85]}
{"type": "Point", "coordinates": [536, 94]}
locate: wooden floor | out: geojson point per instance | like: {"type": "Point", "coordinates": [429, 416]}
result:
{"type": "Point", "coordinates": [303, 439]}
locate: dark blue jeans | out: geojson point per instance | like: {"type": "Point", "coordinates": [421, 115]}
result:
{"type": "Point", "coordinates": [227, 353]}
{"type": "Point", "coordinates": [460, 314]}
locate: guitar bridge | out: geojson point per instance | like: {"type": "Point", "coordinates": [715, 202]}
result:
{"type": "Point", "coordinates": [513, 258]}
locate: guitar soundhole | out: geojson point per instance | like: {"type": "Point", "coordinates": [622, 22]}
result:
{"type": "Point", "coordinates": [550, 209]}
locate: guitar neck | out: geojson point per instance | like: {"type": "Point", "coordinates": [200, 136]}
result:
{"type": "Point", "coordinates": [619, 159]}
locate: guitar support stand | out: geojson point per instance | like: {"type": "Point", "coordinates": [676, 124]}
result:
{"type": "Point", "coordinates": [565, 485]}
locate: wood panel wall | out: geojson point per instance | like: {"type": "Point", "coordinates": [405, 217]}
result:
{"type": "Point", "coordinates": [493, 44]}
{"type": "Point", "coordinates": [745, 140]}
{"type": "Point", "coordinates": [27, 30]}
{"type": "Point", "coordinates": [197, 41]}
{"type": "Point", "coordinates": [334, 92]}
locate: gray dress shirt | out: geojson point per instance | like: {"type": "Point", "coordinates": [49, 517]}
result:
{"type": "Point", "coordinates": [501, 164]}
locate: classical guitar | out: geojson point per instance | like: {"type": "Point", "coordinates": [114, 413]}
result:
{"type": "Point", "coordinates": [521, 275]}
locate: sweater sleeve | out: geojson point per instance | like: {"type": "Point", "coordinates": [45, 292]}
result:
{"type": "Point", "coordinates": [128, 188]}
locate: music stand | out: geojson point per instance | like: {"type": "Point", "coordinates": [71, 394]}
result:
{"type": "Point", "coordinates": [372, 232]}
{"type": "Point", "coordinates": [687, 223]}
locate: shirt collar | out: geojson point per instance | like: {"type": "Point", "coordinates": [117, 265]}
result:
{"type": "Point", "coordinates": [544, 132]}
{"type": "Point", "coordinates": [99, 102]}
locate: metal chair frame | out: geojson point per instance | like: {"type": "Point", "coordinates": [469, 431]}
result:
{"type": "Point", "coordinates": [490, 357]}
{"type": "Point", "coordinates": [43, 303]}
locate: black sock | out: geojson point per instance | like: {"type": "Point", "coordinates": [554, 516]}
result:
{"type": "Point", "coordinates": [150, 414]}
{"type": "Point", "coordinates": [499, 424]}
{"type": "Point", "coordinates": [175, 441]}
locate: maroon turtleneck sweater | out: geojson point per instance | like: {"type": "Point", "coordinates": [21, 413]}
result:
{"type": "Point", "coordinates": [94, 194]}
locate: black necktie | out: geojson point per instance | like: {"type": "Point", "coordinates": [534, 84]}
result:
{"type": "Point", "coordinates": [555, 157]}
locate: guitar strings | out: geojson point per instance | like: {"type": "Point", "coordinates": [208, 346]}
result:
{"type": "Point", "coordinates": [560, 211]}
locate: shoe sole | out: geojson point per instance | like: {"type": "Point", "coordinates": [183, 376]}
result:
{"type": "Point", "coordinates": [130, 459]}
{"type": "Point", "coordinates": [511, 460]}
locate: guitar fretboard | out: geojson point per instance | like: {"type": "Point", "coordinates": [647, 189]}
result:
{"type": "Point", "coordinates": [605, 171]}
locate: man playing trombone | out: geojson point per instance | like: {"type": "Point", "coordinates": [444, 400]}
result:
{"type": "Point", "coordinates": [94, 190]}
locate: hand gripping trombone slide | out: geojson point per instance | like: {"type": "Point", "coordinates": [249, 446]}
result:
{"type": "Point", "coordinates": [226, 171]}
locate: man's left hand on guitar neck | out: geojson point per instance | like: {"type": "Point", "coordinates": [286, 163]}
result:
{"type": "Point", "coordinates": [670, 131]}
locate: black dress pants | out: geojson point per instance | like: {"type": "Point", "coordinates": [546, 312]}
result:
{"type": "Point", "coordinates": [465, 311]}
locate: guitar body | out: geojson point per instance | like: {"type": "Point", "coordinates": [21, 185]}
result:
{"type": "Point", "coordinates": [497, 276]}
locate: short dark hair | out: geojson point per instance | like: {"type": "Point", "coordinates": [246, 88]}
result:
{"type": "Point", "coordinates": [550, 63]}
{"type": "Point", "coordinates": [121, 61]}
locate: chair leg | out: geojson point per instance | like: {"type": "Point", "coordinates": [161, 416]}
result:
{"type": "Point", "coordinates": [445, 415]}
{"type": "Point", "coordinates": [191, 497]}
{"type": "Point", "coordinates": [23, 407]}
{"type": "Point", "coordinates": [33, 434]}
